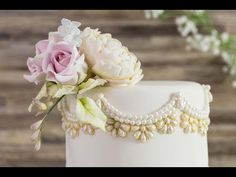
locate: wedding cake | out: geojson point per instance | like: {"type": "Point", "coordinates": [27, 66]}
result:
{"type": "Point", "coordinates": [164, 133]}
{"type": "Point", "coordinates": [110, 117]}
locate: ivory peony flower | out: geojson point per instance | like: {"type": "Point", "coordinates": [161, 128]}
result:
{"type": "Point", "coordinates": [109, 59]}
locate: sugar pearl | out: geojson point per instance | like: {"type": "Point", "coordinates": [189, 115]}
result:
{"type": "Point", "coordinates": [149, 121]}
{"type": "Point", "coordinates": [144, 122]}
{"type": "Point", "coordinates": [132, 122]}
{"type": "Point", "coordinates": [155, 120]}
{"type": "Point", "coordinates": [129, 116]}
{"type": "Point", "coordinates": [127, 121]}
{"type": "Point", "coordinates": [151, 116]}
{"type": "Point", "coordinates": [138, 122]}
{"type": "Point", "coordinates": [121, 120]}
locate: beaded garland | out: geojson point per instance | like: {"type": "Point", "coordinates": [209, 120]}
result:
{"type": "Point", "coordinates": [164, 120]}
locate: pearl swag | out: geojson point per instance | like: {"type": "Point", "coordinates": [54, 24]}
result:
{"type": "Point", "coordinates": [164, 120]}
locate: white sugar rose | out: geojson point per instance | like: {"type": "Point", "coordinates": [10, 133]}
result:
{"type": "Point", "coordinates": [109, 59]}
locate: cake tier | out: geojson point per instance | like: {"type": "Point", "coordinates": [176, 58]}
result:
{"type": "Point", "coordinates": [176, 149]}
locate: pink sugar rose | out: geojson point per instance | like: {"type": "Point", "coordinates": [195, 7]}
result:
{"type": "Point", "coordinates": [41, 46]}
{"type": "Point", "coordinates": [57, 61]}
{"type": "Point", "coordinates": [35, 67]}
{"type": "Point", "coordinates": [62, 63]}
{"type": "Point", "coordinates": [35, 64]}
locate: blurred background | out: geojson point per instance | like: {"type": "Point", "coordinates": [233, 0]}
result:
{"type": "Point", "coordinates": [157, 44]}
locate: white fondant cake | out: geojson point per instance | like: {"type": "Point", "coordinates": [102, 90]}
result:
{"type": "Point", "coordinates": [179, 148]}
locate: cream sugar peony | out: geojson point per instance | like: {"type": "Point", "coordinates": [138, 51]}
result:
{"type": "Point", "coordinates": [71, 62]}
{"type": "Point", "coordinates": [109, 59]}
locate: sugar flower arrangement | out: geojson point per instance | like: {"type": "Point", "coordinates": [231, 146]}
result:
{"type": "Point", "coordinates": [73, 61]}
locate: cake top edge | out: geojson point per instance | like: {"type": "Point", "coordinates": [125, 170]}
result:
{"type": "Point", "coordinates": [151, 83]}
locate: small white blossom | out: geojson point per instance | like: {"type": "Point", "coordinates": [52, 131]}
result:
{"type": "Point", "coordinates": [147, 14]}
{"type": "Point", "coordinates": [37, 145]}
{"type": "Point", "coordinates": [205, 43]}
{"type": "Point", "coordinates": [199, 12]}
{"type": "Point", "coordinates": [234, 83]}
{"type": "Point", "coordinates": [36, 136]}
{"type": "Point", "coordinates": [188, 48]}
{"type": "Point", "coordinates": [225, 37]}
{"type": "Point", "coordinates": [70, 31]}
{"type": "Point", "coordinates": [181, 20]}
{"type": "Point", "coordinates": [198, 36]}
{"type": "Point", "coordinates": [153, 13]}
{"type": "Point", "coordinates": [185, 26]}
{"type": "Point", "coordinates": [225, 57]}
{"type": "Point", "coordinates": [225, 69]}
{"type": "Point", "coordinates": [36, 125]}
{"type": "Point", "coordinates": [232, 71]}
{"type": "Point", "coordinates": [204, 46]}
{"type": "Point", "coordinates": [214, 33]}
{"type": "Point", "coordinates": [216, 52]}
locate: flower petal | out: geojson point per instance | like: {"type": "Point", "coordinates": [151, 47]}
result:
{"type": "Point", "coordinates": [88, 112]}
{"type": "Point", "coordinates": [90, 84]}
{"type": "Point", "coordinates": [36, 125]}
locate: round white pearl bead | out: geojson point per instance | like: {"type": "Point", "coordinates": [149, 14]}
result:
{"type": "Point", "coordinates": [151, 116]}
{"type": "Point", "coordinates": [127, 121]}
{"type": "Point", "coordinates": [156, 114]}
{"type": "Point", "coordinates": [112, 114]}
{"type": "Point", "coordinates": [165, 109]}
{"type": "Point", "coordinates": [144, 122]}
{"type": "Point", "coordinates": [116, 118]}
{"type": "Point", "coordinates": [138, 122]}
{"type": "Point", "coordinates": [174, 115]}
{"type": "Point", "coordinates": [132, 122]}
{"type": "Point", "coordinates": [149, 121]}
{"type": "Point", "coordinates": [168, 107]}
{"type": "Point", "coordinates": [129, 116]}
{"type": "Point", "coordinates": [155, 120]}
{"type": "Point", "coordinates": [121, 120]}
{"type": "Point", "coordinates": [141, 117]}
{"type": "Point", "coordinates": [118, 113]}
{"type": "Point", "coordinates": [172, 103]}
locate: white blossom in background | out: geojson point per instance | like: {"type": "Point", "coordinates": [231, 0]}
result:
{"type": "Point", "coordinates": [205, 43]}
{"type": "Point", "coordinates": [225, 37]}
{"type": "Point", "coordinates": [197, 12]}
{"type": "Point", "coordinates": [153, 13]}
{"type": "Point", "coordinates": [234, 83]}
{"type": "Point", "coordinates": [226, 57]}
{"type": "Point", "coordinates": [230, 60]}
{"type": "Point", "coordinates": [225, 69]}
{"type": "Point", "coordinates": [214, 42]}
{"type": "Point", "coordinates": [185, 26]}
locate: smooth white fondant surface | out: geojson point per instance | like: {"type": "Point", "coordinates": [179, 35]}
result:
{"type": "Point", "coordinates": [177, 149]}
